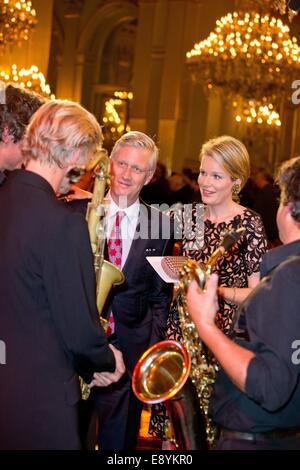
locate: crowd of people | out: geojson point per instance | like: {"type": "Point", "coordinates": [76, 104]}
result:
{"type": "Point", "coordinates": [49, 320]}
{"type": "Point", "coordinates": [246, 316]}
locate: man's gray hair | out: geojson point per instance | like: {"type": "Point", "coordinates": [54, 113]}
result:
{"type": "Point", "coordinates": [137, 139]}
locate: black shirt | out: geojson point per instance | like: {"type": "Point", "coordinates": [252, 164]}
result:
{"type": "Point", "coordinates": [266, 204]}
{"type": "Point", "coordinates": [272, 398]}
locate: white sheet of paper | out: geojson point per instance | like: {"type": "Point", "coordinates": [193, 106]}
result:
{"type": "Point", "coordinates": [155, 262]}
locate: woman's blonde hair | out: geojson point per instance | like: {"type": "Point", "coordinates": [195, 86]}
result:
{"type": "Point", "coordinates": [231, 155]}
{"type": "Point", "coordinates": [57, 130]}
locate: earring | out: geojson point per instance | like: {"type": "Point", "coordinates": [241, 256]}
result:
{"type": "Point", "coordinates": [235, 188]}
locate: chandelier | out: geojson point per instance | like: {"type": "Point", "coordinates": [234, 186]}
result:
{"type": "Point", "coordinates": [30, 78]}
{"type": "Point", "coordinates": [250, 54]}
{"type": "Point", "coordinates": [256, 112]}
{"type": "Point", "coordinates": [290, 7]}
{"type": "Point", "coordinates": [17, 20]}
{"type": "Point", "coordinates": [115, 117]}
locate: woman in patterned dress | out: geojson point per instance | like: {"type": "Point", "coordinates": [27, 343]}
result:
{"type": "Point", "coordinates": [224, 170]}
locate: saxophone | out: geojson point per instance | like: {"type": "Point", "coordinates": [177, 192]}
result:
{"type": "Point", "coordinates": [174, 373]}
{"type": "Point", "coordinates": [107, 275]}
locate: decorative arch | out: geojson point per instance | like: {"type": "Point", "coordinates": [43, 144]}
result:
{"type": "Point", "coordinates": [107, 17]}
{"type": "Point", "coordinates": [103, 21]}
{"type": "Point", "coordinates": [56, 51]}
{"type": "Point", "coordinates": [58, 30]}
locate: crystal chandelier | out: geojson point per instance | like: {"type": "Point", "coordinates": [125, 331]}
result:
{"type": "Point", "coordinates": [115, 117]}
{"type": "Point", "coordinates": [255, 112]}
{"type": "Point", "coordinates": [290, 7]}
{"type": "Point", "coordinates": [249, 54]}
{"type": "Point", "coordinates": [31, 78]}
{"type": "Point", "coordinates": [17, 20]}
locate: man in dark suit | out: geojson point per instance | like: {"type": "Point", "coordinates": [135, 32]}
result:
{"type": "Point", "coordinates": [49, 321]}
{"type": "Point", "coordinates": [266, 202]}
{"type": "Point", "coordinates": [140, 306]}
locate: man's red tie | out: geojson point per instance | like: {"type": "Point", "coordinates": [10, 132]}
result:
{"type": "Point", "coordinates": [115, 257]}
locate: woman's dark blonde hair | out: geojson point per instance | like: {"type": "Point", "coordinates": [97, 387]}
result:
{"type": "Point", "coordinates": [231, 154]}
{"type": "Point", "coordinates": [57, 130]}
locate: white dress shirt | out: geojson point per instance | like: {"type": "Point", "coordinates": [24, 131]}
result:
{"type": "Point", "coordinates": [128, 223]}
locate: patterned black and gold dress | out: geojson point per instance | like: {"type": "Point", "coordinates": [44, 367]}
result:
{"type": "Point", "coordinates": [233, 269]}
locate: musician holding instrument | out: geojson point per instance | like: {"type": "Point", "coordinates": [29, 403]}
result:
{"type": "Point", "coordinates": [224, 170]}
{"type": "Point", "coordinates": [49, 320]}
{"type": "Point", "coordinates": [256, 398]}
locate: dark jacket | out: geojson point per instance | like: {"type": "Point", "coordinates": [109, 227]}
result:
{"type": "Point", "coordinates": [2, 177]}
{"type": "Point", "coordinates": [140, 307]}
{"type": "Point", "coordinates": [141, 304]}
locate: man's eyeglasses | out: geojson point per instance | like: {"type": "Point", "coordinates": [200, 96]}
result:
{"type": "Point", "coordinates": [134, 168]}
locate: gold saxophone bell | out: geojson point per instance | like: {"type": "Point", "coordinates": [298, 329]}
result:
{"type": "Point", "coordinates": [110, 276]}
{"type": "Point", "coordinates": [161, 372]}
{"type": "Point", "coordinates": [162, 376]}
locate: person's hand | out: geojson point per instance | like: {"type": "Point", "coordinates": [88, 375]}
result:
{"type": "Point", "coordinates": [78, 193]}
{"type": "Point", "coordinates": [203, 305]}
{"type": "Point", "coordinates": [103, 379]}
